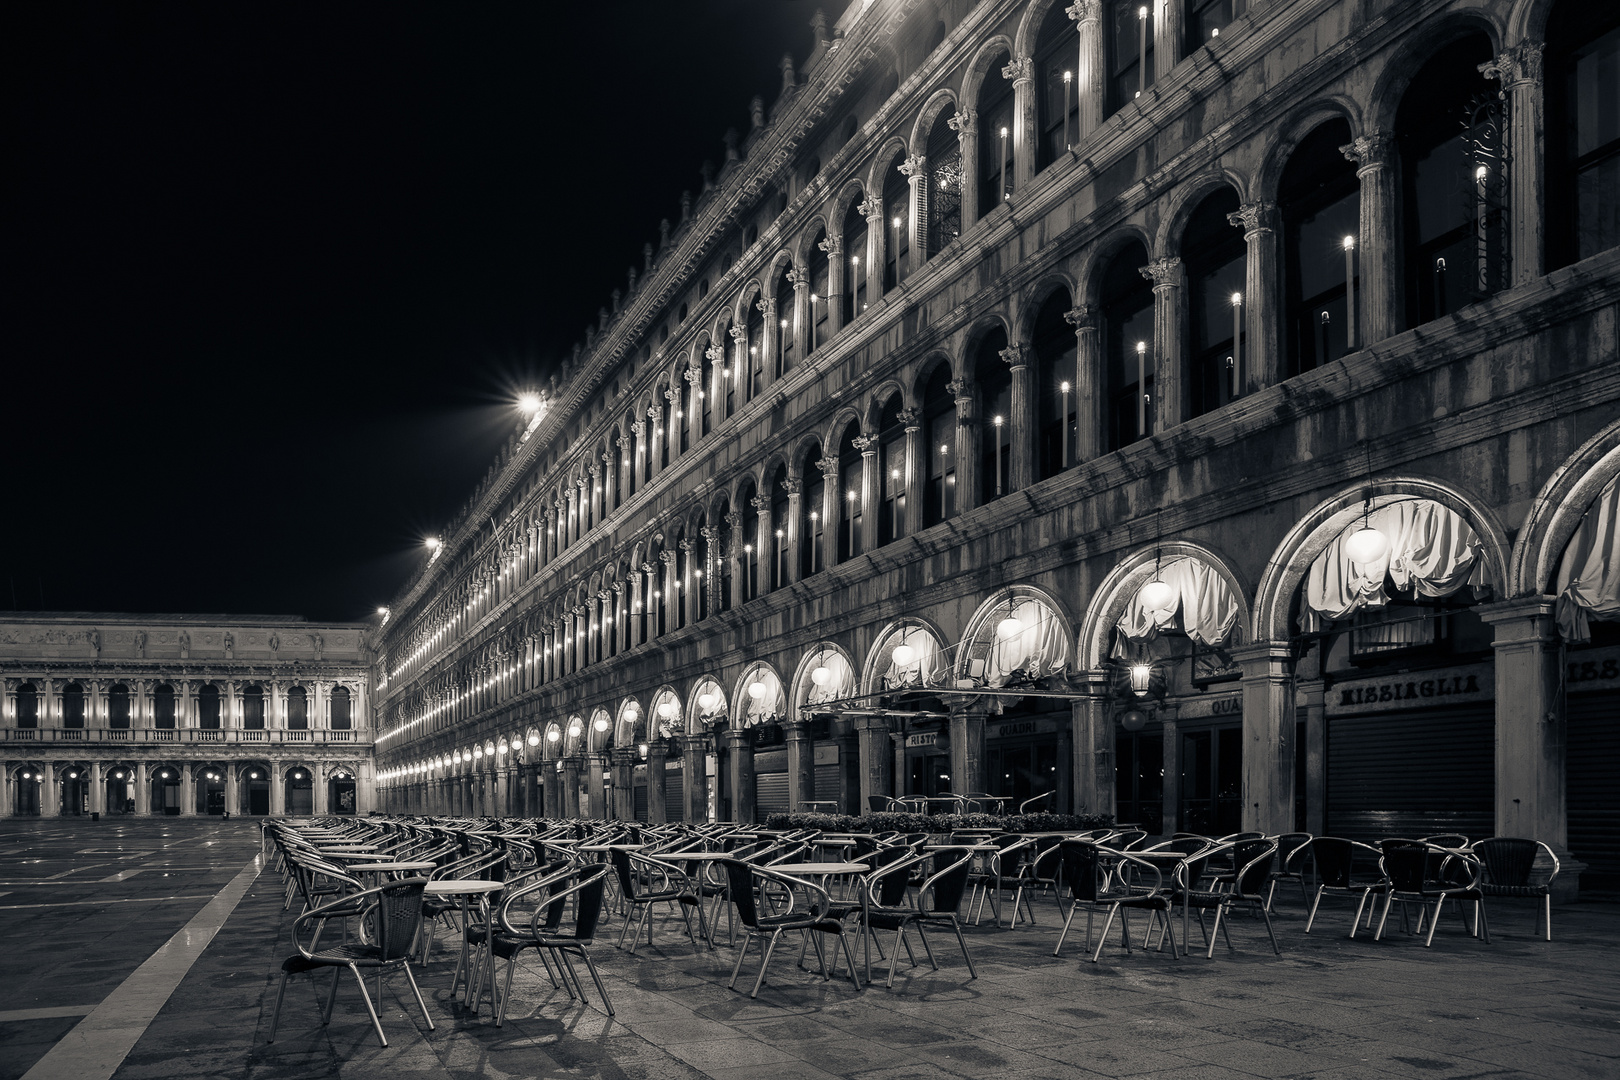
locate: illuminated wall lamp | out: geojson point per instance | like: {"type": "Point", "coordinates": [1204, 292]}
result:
{"type": "Point", "coordinates": [1141, 677]}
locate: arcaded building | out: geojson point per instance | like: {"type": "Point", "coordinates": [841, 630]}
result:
{"type": "Point", "coordinates": [1205, 412]}
{"type": "Point", "coordinates": [184, 714]}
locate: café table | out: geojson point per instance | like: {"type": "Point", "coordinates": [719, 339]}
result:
{"type": "Point", "coordinates": [471, 889]}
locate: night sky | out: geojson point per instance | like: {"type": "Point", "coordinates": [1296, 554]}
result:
{"type": "Point", "coordinates": [275, 272]}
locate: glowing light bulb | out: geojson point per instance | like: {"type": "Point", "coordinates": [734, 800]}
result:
{"type": "Point", "coordinates": [904, 655]}
{"type": "Point", "coordinates": [820, 676]}
{"type": "Point", "coordinates": [1156, 595]}
{"type": "Point", "coordinates": [1010, 627]}
{"type": "Point", "coordinates": [1366, 545]}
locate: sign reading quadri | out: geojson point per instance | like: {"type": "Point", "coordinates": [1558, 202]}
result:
{"type": "Point", "coordinates": [1413, 690]}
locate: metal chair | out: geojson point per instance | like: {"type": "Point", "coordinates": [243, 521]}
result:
{"type": "Point", "coordinates": [814, 920]}
{"type": "Point", "coordinates": [942, 892]}
{"type": "Point", "coordinates": [585, 885]}
{"type": "Point", "coordinates": [394, 914]}
{"type": "Point", "coordinates": [672, 887]}
{"type": "Point", "coordinates": [1247, 886]}
{"type": "Point", "coordinates": [1417, 872]}
{"type": "Point", "coordinates": [1509, 864]}
{"type": "Point", "coordinates": [1292, 850]}
{"type": "Point", "coordinates": [1336, 873]}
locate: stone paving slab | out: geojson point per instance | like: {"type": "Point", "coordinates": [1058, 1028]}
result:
{"type": "Point", "coordinates": [1328, 1007]}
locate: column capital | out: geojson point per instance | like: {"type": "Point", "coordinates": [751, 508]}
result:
{"type": "Point", "coordinates": [792, 485]}
{"type": "Point", "coordinates": [738, 332]}
{"type": "Point", "coordinates": [1021, 69]}
{"type": "Point", "coordinates": [1084, 11]}
{"type": "Point", "coordinates": [1517, 66]}
{"type": "Point", "coordinates": [866, 444]}
{"type": "Point", "coordinates": [639, 427]}
{"type": "Point", "coordinates": [832, 244]}
{"type": "Point", "coordinates": [914, 167]}
{"type": "Point", "coordinates": [1374, 150]}
{"type": "Point", "coordinates": [667, 557]}
{"type": "Point", "coordinates": [685, 545]}
{"type": "Point", "coordinates": [693, 375]}
{"type": "Point", "coordinates": [961, 390]}
{"type": "Point", "coordinates": [670, 395]}
{"type": "Point", "coordinates": [965, 122]}
{"type": "Point", "coordinates": [870, 207]}
{"type": "Point", "coordinates": [828, 467]}
{"type": "Point", "coordinates": [1164, 273]}
{"type": "Point", "coordinates": [761, 503]}
{"type": "Point", "coordinates": [799, 278]}
{"type": "Point", "coordinates": [1081, 317]}
{"type": "Point", "coordinates": [766, 306]}
{"type": "Point", "coordinates": [911, 418]}
{"type": "Point", "coordinates": [1015, 356]}
{"type": "Point", "coordinates": [715, 353]}
{"type": "Point", "coordinates": [1254, 218]}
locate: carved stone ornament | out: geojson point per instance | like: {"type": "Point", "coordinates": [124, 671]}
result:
{"type": "Point", "coordinates": [1520, 64]}
{"type": "Point", "coordinates": [639, 427]}
{"type": "Point", "coordinates": [766, 306]}
{"type": "Point", "coordinates": [828, 467]}
{"type": "Point", "coordinates": [734, 522]}
{"type": "Point", "coordinates": [738, 334]}
{"type": "Point", "coordinates": [667, 557]}
{"type": "Point", "coordinates": [669, 394]}
{"type": "Point", "coordinates": [1372, 151]}
{"type": "Point", "coordinates": [866, 444]}
{"type": "Point", "coordinates": [1020, 70]}
{"type": "Point", "coordinates": [911, 419]}
{"type": "Point", "coordinates": [1254, 218]}
{"type": "Point", "coordinates": [799, 278]}
{"type": "Point", "coordinates": [1014, 356]}
{"type": "Point", "coordinates": [965, 122]}
{"type": "Point", "coordinates": [761, 503]}
{"type": "Point", "coordinates": [693, 375]}
{"type": "Point", "coordinates": [832, 245]}
{"type": "Point", "coordinates": [792, 487]}
{"type": "Point", "coordinates": [1164, 273]}
{"type": "Point", "coordinates": [870, 207]}
{"type": "Point", "coordinates": [715, 354]}
{"type": "Point", "coordinates": [914, 166]}
{"type": "Point", "coordinates": [959, 389]}
{"type": "Point", "coordinates": [1084, 11]}
{"type": "Point", "coordinates": [1081, 317]}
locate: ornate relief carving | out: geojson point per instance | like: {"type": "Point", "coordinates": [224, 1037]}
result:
{"type": "Point", "coordinates": [1520, 64]}
{"type": "Point", "coordinates": [1020, 70]}
{"type": "Point", "coordinates": [866, 444]}
{"type": "Point", "coordinates": [910, 418]}
{"type": "Point", "coordinates": [1084, 11]}
{"type": "Point", "coordinates": [1254, 218]}
{"type": "Point", "coordinates": [1164, 273]}
{"type": "Point", "coordinates": [914, 166]}
{"type": "Point", "coordinates": [1014, 356]}
{"type": "Point", "coordinates": [1081, 317]}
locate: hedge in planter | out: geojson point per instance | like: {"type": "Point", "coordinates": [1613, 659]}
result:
{"type": "Point", "coordinates": [889, 821]}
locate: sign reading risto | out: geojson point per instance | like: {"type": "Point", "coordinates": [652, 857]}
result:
{"type": "Point", "coordinates": [1449, 686]}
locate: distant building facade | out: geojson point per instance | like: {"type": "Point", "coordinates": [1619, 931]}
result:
{"type": "Point", "coordinates": [183, 715]}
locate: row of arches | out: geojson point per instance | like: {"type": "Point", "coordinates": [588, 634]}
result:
{"type": "Point", "coordinates": [121, 706]}
{"type": "Point", "coordinates": [180, 787]}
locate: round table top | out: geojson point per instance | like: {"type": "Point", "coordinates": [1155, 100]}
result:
{"type": "Point", "coordinates": [463, 887]}
{"type": "Point", "coordinates": [398, 867]}
{"type": "Point", "coordinates": [358, 856]}
{"type": "Point", "coordinates": [812, 868]}
{"type": "Point", "coordinates": [960, 847]}
{"type": "Point", "coordinates": [610, 847]}
{"type": "Point", "coordinates": [344, 848]}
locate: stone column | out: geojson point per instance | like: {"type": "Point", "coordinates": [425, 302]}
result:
{"type": "Point", "coordinates": [1024, 127]}
{"type": "Point", "coordinates": [762, 541]}
{"type": "Point", "coordinates": [916, 475]}
{"type": "Point", "coordinates": [278, 789]}
{"type": "Point", "coordinates": [1169, 34]}
{"type": "Point", "coordinates": [716, 390]}
{"type": "Point", "coordinates": [98, 789]}
{"type": "Point", "coordinates": [319, 789]}
{"type": "Point", "coordinates": [1024, 424]}
{"type": "Point", "coordinates": [1311, 698]}
{"type": "Point", "coordinates": [657, 782]}
{"type": "Point", "coordinates": [568, 802]}
{"type": "Point", "coordinates": [831, 511]}
{"type": "Point", "coordinates": [731, 554]}
{"type": "Point", "coordinates": [1531, 724]}
{"type": "Point", "coordinates": [849, 768]}
{"type": "Point", "coordinates": [691, 587]}
{"type": "Point", "coordinates": [876, 254]}
{"type": "Point", "coordinates": [548, 791]}
{"type": "Point", "coordinates": [1268, 736]}
{"type": "Point", "coordinates": [799, 326]}
{"type": "Point", "coordinates": [50, 791]}
{"type": "Point", "coordinates": [1378, 299]}
{"type": "Point", "coordinates": [649, 605]}
{"type": "Point", "coordinates": [876, 757]}
{"type": "Point", "coordinates": [897, 743]}
{"type": "Point", "coordinates": [8, 791]}
{"type": "Point", "coordinates": [833, 245]}
{"type": "Point", "coordinates": [233, 794]}
{"type": "Point", "coordinates": [1169, 720]}
{"type": "Point", "coordinates": [1262, 293]}
{"type": "Point", "coordinates": [142, 793]}
{"type": "Point", "coordinates": [596, 786]}
{"type": "Point", "coordinates": [1093, 720]}
{"type": "Point", "coordinates": [1090, 409]}
{"type": "Point", "coordinates": [1091, 67]}
{"type": "Point", "coordinates": [188, 793]}
{"type": "Point", "coordinates": [801, 762]}
{"type": "Point", "coordinates": [624, 791]}
{"type": "Point", "coordinates": [671, 570]}
{"type": "Point", "coordinates": [871, 493]}
{"type": "Point", "coordinates": [1169, 363]}
{"type": "Point", "coordinates": [695, 787]}
{"type": "Point", "coordinates": [766, 306]}
{"type": "Point", "coordinates": [966, 125]}
{"type": "Point", "coordinates": [794, 490]}
{"type": "Point", "coordinates": [915, 170]}
{"type": "Point", "coordinates": [744, 808]}
{"type": "Point", "coordinates": [1519, 70]}
{"type": "Point", "coordinates": [967, 447]}
{"type": "Point", "coordinates": [967, 747]}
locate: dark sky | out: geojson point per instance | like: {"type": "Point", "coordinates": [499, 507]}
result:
{"type": "Point", "coordinates": [273, 272]}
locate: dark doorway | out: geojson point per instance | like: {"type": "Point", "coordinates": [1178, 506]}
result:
{"type": "Point", "coordinates": [1212, 781]}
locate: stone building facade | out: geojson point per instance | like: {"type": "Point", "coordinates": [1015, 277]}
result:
{"type": "Point", "coordinates": [184, 714]}
{"type": "Point", "coordinates": [1206, 412]}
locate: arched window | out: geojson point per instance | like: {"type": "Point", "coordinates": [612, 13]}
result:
{"type": "Point", "coordinates": [750, 354]}
{"type": "Point", "coordinates": [784, 323]}
{"type": "Point", "coordinates": [1583, 131]}
{"type": "Point", "coordinates": [820, 302]}
{"type": "Point", "coordinates": [992, 384]}
{"type": "Point", "coordinates": [118, 707]}
{"type": "Point", "coordinates": [297, 709]}
{"type": "Point", "coordinates": [667, 397]}
{"type": "Point", "coordinates": [683, 397]}
{"type": "Point", "coordinates": [253, 708]}
{"type": "Point", "coordinates": [1130, 51]}
{"type": "Point", "coordinates": [342, 717]}
{"type": "Point", "coordinates": [854, 256]}
{"type": "Point", "coordinates": [748, 532]}
{"type": "Point", "coordinates": [896, 206]}
{"type": "Point", "coordinates": [163, 706]}
{"type": "Point", "coordinates": [683, 578]}
{"type": "Point", "coordinates": [995, 108]}
{"type": "Point", "coordinates": [1057, 105]}
{"type": "Point", "coordinates": [1053, 342]}
{"type": "Point", "coordinates": [781, 572]}
{"type": "Point", "coordinates": [73, 705]}
{"type": "Point", "coordinates": [705, 386]}
{"type": "Point", "coordinates": [848, 494]}
{"type": "Point", "coordinates": [1318, 199]}
{"type": "Point", "coordinates": [942, 190]}
{"type": "Point", "coordinates": [208, 707]}
{"type": "Point", "coordinates": [891, 472]}
{"type": "Point", "coordinates": [811, 500]}
{"type": "Point", "coordinates": [1452, 220]}
{"type": "Point", "coordinates": [939, 422]}
{"type": "Point", "coordinates": [1127, 309]}
{"type": "Point", "coordinates": [1207, 18]}
{"type": "Point", "coordinates": [27, 706]}
{"type": "Point", "coordinates": [1213, 251]}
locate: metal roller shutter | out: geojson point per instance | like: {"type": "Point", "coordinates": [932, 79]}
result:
{"type": "Point", "coordinates": [1589, 775]}
{"type": "Point", "coordinates": [1412, 774]}
{"type": "Point", "coordinates": [827, 782]}
{"type": "Point", "coordinates": [674, 788]}
{"type": "Point", "coordinates": [640, 798]}
{"type": "Point", "coordinates": [771, 793]}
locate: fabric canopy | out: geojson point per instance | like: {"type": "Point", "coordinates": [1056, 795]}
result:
{"type": "Point", "coordinates": [1588, 584]}
{"type": "Point", "coordinates": [1040, 649]}
{"type": "Point", "coordinates": [927, 669]}
{"type": "Point", "coordinates": [1431, 551]}
{"type": "Point", "coordinates": [1201, 606]}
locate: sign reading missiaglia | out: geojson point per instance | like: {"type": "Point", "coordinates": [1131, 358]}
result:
{"type": "Point", "coordinates": [1418, 689]}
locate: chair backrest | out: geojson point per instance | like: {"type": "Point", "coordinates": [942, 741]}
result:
{"type": "Point", "coordinates": [588, 902]}
{"type": "Point", "coordinates": [740, 884]}
{"type": "Point", "coordinates": [945, 887]}
{"type": "Point", "coordinates": [1508, 860]}
{"type": "Point", "coordinates": [1081, 869]}
{"type": "Point", "coordinates": [621, 866]}
{"type": "Point", "coordinates": [1448, 840]}
{"type": "Point", "coordinates": [1253, 860]}
{"type": "Point", "coordinates": [1126, 838]}
{"type": "Point", "coordinates": [1292, 848]}
{"type": "Point", "coordinates": [1335, 858]}
{"type": "Point", "coordinates": [1405, 864]}
{"type": "Point", "coordinates": [399, 913]}
{"type": "Point", "coordinates": [886, 885]}
{"type": "Point", "coordinates": [877, 804]}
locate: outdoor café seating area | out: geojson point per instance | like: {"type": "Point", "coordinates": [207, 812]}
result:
{"type": "Point", "coordinates": [481, 905]}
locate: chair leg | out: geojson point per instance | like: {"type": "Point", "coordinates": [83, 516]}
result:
{"type": "Point", "coordinates": [275, 1017]}
{"type": "Point", "coordinates": [748, 939]}
{"type": "Point", "coordinates": [423, 1005]}
{"type": "Point", "coordinates": [1270, 933]}
{"type": "Point", "coordinates": [1434, 923]}
{"type": "Point", "coordinates": [1219, 910]}
{"type": "Point", "coordinates": [962, 941]}
{"type": "Point", "coordinates": [1547, 902]}
{"type": "Point", "coordinates": [765, 963]}
{"type": "Point", "coordinates": [1065, 931]}
{"type": "Point", "coordinates": [506, 995]}
{"type": "Point", "coordinates": [607, 1002]}
{"type": "Point", "coordinates": [331, 997]}
{"type": "Point", "coordinates": [370, 1008]}
{"type": "Point", "coordinates": [927, 948]}
{"type": "Point", "coordinates": [849, 955]}
{"type": "Point", "coordinates": [1103, 938]}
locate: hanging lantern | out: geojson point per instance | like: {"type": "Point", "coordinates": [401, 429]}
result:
{"type": "Point", "coordinates": [1366, 544]}
{"type": "Point", "coordinates": [820, 676]}
{"type": "Point", "coordinates": [573, 730]}
{"type": "Point", "coordinates": [601, 724]}
{"type": "Point", "coordinates": [643, 748]}
{"type": "Point", "coordinates": [1133, 720]}
{"type": "Point", "coordinates": [756, 691]}
{"type": "Point", "coordinates": [553, 735]}
{"type": "Point", "coordinates": [1141, 678]}
{"type": "Point", "coordinates": [534, 740]}
{"type": "Point", "coordinates": [667, 709]}
{"type": "Point", "coordinates": [1156, 595]}
{"type": "Point", "coordinates": [1010, 627]}
{"type": "Point", "coordinates": [705, 702]}
{"type": "Point", "coordinates": [904, 655]}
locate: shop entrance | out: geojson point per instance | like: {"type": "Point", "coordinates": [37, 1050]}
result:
{"type": "Point", "coordinates": [166, 792]}
{"type": "Point", "coordinates": [1020, 769]}
{"type": "Point", "coordinates": [25, 793]}
{"type": "Point", "coordinates": [1139, 778]}
{"type": "Point", "coordinates": [340, 795]}
{"type": "Point", "coordinates": [300, 793]}
{"type": "Point", "coordinates": [1212, 781]}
